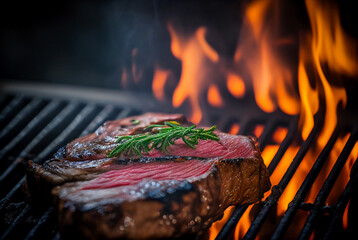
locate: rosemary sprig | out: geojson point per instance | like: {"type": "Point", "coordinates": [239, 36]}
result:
{"type": "Point", "coordinates": [161, 138]}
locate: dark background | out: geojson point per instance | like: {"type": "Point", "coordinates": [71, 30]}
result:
{"type": "Point", "coordinates": [91, 42]}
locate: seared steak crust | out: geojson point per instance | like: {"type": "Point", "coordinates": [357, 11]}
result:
{"type": "Point", "coordinates": [149, 207]}
{"type": "Point", "coordinates": [160, 209]}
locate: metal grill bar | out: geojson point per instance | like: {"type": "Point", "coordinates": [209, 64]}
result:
{"type": "Point", "coordinates": [4, 100]}
{"type": "Point", "coordinates": [124, 113]}
{"type": "Point", "coordinates": [305, 187]}
{"type": "Point", "coordinates": [11, 109]}
{"type": "Point", "coordinates": [327, 186]}
{"type": "Point", "coordinates": [99, 119]}
{"type": "Point", "coordinates": [8, 196]}
{"type": "Point", "coordinates": [54, 123]}
{"type": "Point", "coordinates": [60, 140]}
{"type": "Point", "coordinates": [16, 221]}
{"type": "Point", "coordinates": [267, 133]}
{"type": "Point", "coordinates": [277, 190]}
{"type": "Point", "coordinates": [35, 142]}
{"type": "Point", "coordinates": [25, 132]}
{"type": "Point", "coordinates": [54, 145]}
{"type": "Point", "coordinates": [244, 126]}
{"type": "Point", "coordinates": [78, 117]}
{"type": "Point", "coordinates": [48, 150]}
{"type": "Point", "coordinates": [341, 205]}
{"type": "Point", "coordinates": [42, 220]}
{"type": "Point", "coordinates": [230, 225]}
{"type": "Point", "coordinates": [283, 147]}
{"type": "Point", "coordinates": [30, 108]}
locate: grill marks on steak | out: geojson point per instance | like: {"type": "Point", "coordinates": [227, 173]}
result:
{"type": "Point", "coordinates": [159, 195]}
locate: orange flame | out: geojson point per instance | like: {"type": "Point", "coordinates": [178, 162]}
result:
{"type": "Point", "coordinates": [194, 52]}
{"type": "Point", "coordinates": [272, 79]}
{"type": "Point", "coordinates": [324, 50]}
{"type": "Point", "coordinates": [235, 85]}
{"type": "Point", "coordinates": [217, 226]}
{"type": "Point", "coordinates": [214, 97]}
{"type": "Point", "coordinates": [159, 79]}
{"type": "Point", "coordinates": [279, 135]}
{"type": "Point", "coordinates": [234, 129]}
{"type": "Point", "coordinates": [258, 130]}
{"type": "Point", "coordinates": [327, 45]}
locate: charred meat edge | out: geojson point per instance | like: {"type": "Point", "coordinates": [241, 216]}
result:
{"type": "Point", "coordinates": [194, 205]}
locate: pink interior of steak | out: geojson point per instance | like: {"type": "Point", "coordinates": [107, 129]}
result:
{"type": "Point", "coordinates": [229, 146]}
{"type": "Point", "coordinates": [134, 173]}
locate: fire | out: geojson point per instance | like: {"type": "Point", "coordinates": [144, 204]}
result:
{"type": "Point", "coordinates": [217, 226]}
{"type": "Point", "coordinates": [234, 128]}
{"type": "Point", "coordinates": [159, 80]}
{"type": "Point", "coordinates": [235, 85]}
{"type": "Point", "coordinates": [272, 79]}
{"type": "Point", "coordinates": [194, 52]}
{"type": "Point", "coordinates": [279, 135]}
{"type": "Point", "coordinates": [258, 130]}
{"type": "Point", "coordinates": [214, 97]}
{"type": "Point", "coordinates": [303, 88]}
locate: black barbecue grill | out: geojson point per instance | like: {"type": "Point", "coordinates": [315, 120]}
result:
{"type": "Point", "coordinates": [38, 119]}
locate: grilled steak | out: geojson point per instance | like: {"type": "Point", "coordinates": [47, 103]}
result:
{"type": "Point", "coordinates": [98, 144]}
{"type": "Point", "coordinates": [162, 199]}
{"type": "Point", "coordinates": [158, 195]}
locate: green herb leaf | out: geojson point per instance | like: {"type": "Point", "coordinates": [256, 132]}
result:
{"type": "Point", "coordinates": [160, 139]}
{"type": "Point", "coordinates": [135, 122]}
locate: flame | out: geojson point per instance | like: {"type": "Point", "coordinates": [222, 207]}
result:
{"type": "Point", "coordinates": [234, 129]}
{"type": "Point", "coordinates": [325, 45]}
{"type": "Point", "coordinates": [235, 85]}
{"type": "Point", "coordinates": [279, 134]}
{"type": "Point", "coordinates": [159, 79]}
{"type": "Point", "coordinates": [218, 225]}
{"type": "Point", "coordinates": [324, 51]}
{"type": "Point", "coordinates": [194, 52]}
{"type": "Point", "coordinates": [214, 97]}
{"type": "Point", "coordinates": [258, 130]}
{"type": "Point", "coordinates": [243, 224]}
{"type": "Point", "coordinates": [272, 79]}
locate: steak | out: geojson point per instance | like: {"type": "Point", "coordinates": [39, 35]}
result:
{"type": "Point", "coordinates": [157, 195]}
{"type": "Point", "coordinates": [100, 143]}
{"type": "Point", "coordinates": [165, 199]}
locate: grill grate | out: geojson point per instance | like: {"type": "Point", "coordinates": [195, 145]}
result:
{"type": "Point", "coordinates": [34, 125]}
